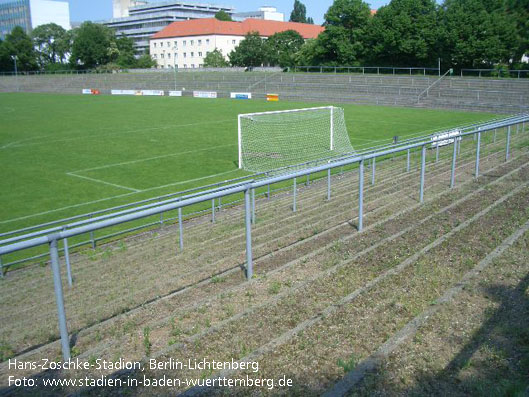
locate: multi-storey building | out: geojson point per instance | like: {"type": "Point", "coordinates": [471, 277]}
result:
{"type": "Point", "coordinates": [29, 14]}
{"type": "Point", "coordinates": [139, 20]}
{"type": "Point", "coordinates": [185, 44]}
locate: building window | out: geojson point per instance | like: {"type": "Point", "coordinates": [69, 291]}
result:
{"type": "Point", "coordinates": [169, 55]}
{"type": "Point", "coordinates": [184, 43]}
{"type": "Point", "coordinates": [192, 66]}
{"type": "Point", "coordinates": [207, 41]}
{"type": "Point", "coordinates": [185, 66]}
{"type": "Point", "coordinates": [176, 55]}
{"type": "Point", "coordinates": [199, 42]}
{"type": "Point", "coordinates": [200, 54]}
{"type": "Point", "coordinates": [233, 42]}
{"type": "Point", "coordinates": [154, 44]}
{"type": "Point", "coordinates": [192, 54]}
{"type": "Point", "coordinates": [175, 43]}
{"type": "Point", "coordinates": [185, 55]}
{"type": "Point", "coordinates": [192, 42]}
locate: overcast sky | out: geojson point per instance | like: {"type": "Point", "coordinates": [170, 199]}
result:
{"type": "Point", "coordinates": [95, 10]}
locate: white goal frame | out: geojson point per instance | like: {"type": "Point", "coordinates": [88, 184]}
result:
{"type": "Point", "coordinates": [240, 116]}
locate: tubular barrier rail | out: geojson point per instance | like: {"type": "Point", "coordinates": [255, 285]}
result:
{"type": "Point", "coordinates": [52, 236]}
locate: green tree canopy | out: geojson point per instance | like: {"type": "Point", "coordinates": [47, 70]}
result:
{"type": "Point", "coordinates": [215, 59]}
{"type": "Point", "coordinates": [405, 33]}
{"type": "Point", "coordinates": [6, 63]}
{"type": "Point", "coordinates": [250, 52]}
{"type": "Point", "coordinates": [282, 47]}
{"type": "Point", "coordinates": [477, 33]}
{"type": "Point", "coordinates": [299, 13]}
{"type": "Point", "coordinates": [125, 57]}
{"type": "Point", "coordinates": [92, 46]}
{"type": "Point", "coordinates": [20, 44]}
{"type": "Point", "coordinates": [518, 10]}
{"type": "Point", "coordinates": [223, 16]}
{"type": "Point", "coordinates": [52, 43]}
{"type": "Point", "coordinates": [344, 40]}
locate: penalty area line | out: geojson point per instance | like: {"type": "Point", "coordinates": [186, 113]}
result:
{"type": "Point", "coordinates": [107, 198]}
{"type": "Point", "coordinates": [103, 182]}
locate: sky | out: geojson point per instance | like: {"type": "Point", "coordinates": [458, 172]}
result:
{"type": "Point", "coordinates": [96, 10]}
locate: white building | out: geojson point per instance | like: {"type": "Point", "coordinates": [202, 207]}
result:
{"type": "Point", "coordinates": [185, 44]}
{"type": "Point", "coordinates": [266, 12]}
{"type": "Point", "coordinates": [29, 14]}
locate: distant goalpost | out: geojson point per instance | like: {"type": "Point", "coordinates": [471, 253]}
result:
{"type": "Point", "coordinates": [271, 140]}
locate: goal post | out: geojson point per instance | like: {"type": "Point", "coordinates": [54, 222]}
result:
{"type": "Point", "coordinates": [271, 140]}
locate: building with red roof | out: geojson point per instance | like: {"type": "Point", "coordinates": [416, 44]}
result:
{"type": "Point", "coordinates": [185, 44]}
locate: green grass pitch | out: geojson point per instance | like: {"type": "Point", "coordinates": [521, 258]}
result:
{"type": "Point", "coordinates": [63, 155]}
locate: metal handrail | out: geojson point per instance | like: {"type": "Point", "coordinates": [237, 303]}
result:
{"type": "Point", "coordinates": [427, 90]}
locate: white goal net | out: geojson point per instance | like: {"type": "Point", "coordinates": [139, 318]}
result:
{"type": "Point", "coordinates": [272, 140]}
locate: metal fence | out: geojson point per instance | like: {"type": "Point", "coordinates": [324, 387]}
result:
{"type": "Point", "coordinates": [392, 70]}
{"type": "Point", "coordinates": [497, 73]}
{"type": "Point", "coordinates": [248, 187]}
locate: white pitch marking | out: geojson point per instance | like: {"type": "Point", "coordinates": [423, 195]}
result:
{"type": "Point", "coordinates": [151, 158]}
{"type": "Point", "coordinates": [190, 180]}
{"type": "Point", "coordinates": [100, 181]}
{"type": "Point", "coordinates": [97, 201]}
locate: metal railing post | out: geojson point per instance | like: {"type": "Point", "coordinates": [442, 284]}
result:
{"type": "Point", "coordinates": [212, 210]}
{"type": "Point", "coordinates": [59, 298]}
{"type": "Point", "coordinates": [373, 170]}
{"type": "Point", "coordinates": [180, 229]}
{"type": "Point", "coordinates": [308, 180]}
{"type": "Point", "coordinates": [361, 196]}
{"type": "Point", "coordinates": [423, 168]}
{"type": "Point", "coordinates": [248, 224]}
{"type": "Point", "coordinates": [1, 268]}
{"type": "Point", "coordinates": [268, 191]}
{"type": "Point", "coordinates": [161, 218]}
{"type": "Point", "coordinates": [408, 161]}
{"type": "Point", "coordinates": [453, 173]}
{"type": "Point", "coordinates": [508, 147]}
{"type": "Point", "coordinates": [294, 195]}
{"type": "Point", "coordinates": [329, 184]}
{"type": "Point", "coordinates": [478, 147]}
{"type": "Point", "coordinates": [67, 260]}
{"type": "Point", "coordinates": [92, 240]}
{"type": "Point", "coordinates": [494, 139]}
{"type": "Point", "coordinates": [253, 206]}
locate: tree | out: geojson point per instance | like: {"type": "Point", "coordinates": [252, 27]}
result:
{"type": "Point", "coordinates": [310, 21]}
{"type": "Point", "coordinates": [6, 63]}
{"type": "Point", "coordinates": [250, 52]}
{"type": "Point", "coordinates": [282, 47]}
{"type": "Point", "coordinates": [215, 59]}
{"type": "Point", "coordinates": [477, 34]}
{"type": "Point", "coordinates": [518, 10]}
{"type": "Point", "coordinates": [125, 52]}
{"type": "Point", "coordinates": [92, 45]}
{"type": "Point", "coordinates": [299, 13]}
{"type": "Point", "coordinates": [145, 62]}
{"type": "Point", "coordinates": [345, 37]}
{"type": "Point", "coordinates": [20, 44]}
{"type": "Point", "coordinates": [52, 43]}
{"type": "Point", "coordinates": [405, 33]}
{"type": "Point", "coordinates": [223, 16]}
